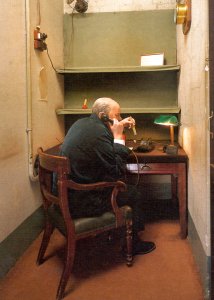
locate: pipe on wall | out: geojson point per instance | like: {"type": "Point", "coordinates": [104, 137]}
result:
{"type": "Point", "coordinates": [31, 161]}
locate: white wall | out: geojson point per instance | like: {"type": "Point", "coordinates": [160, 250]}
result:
{"type": "Point", "coordinates": [48, 127]}
{"type": "Point", "coordinates": [194, 102]}
{"type": "Point", "coordinates": [19, 197]}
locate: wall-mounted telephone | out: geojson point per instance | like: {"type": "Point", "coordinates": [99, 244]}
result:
{"type": "Point", "coordinates": [106, 119]}
{"type": "Point", "coordinates": [39, 39]}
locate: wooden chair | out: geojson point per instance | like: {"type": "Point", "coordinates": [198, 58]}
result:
{"type": "Point", "coordinates": [57, 213]}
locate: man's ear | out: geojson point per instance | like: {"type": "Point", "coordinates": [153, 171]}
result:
{"type": "Point", "coordinates": [105, 118]}
{"type": "Point", "coordinates": [100, 115]}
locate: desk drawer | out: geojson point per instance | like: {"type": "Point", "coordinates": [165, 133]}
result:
{"type": "Point", "coordinates": [154, 168]}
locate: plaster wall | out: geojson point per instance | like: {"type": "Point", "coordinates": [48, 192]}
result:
{"type": "Point", "coordinates": [47, 87]}
{"type": "Point", "coordinates": [19, 196]}
{"type": "Point", "coordinates": [194, 101]}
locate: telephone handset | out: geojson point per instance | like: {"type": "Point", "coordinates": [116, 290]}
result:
{"type": "Point", "coordinates": [106, 119]}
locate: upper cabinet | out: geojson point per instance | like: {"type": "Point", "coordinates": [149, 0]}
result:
{"type": "Point", "coordinates": [102, 58]}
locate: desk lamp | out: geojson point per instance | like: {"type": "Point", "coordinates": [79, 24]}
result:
{"type": "Point", "coordinates": [171, 121]}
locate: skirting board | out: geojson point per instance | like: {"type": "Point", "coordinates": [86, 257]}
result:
{"type": "Point", "coordinates": [19, 240]}
{"type": "Point", "coordinates": [202, 260]}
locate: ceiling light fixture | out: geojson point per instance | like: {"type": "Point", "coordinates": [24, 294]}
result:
{"type": "Point", "coordinates": [81, 6]}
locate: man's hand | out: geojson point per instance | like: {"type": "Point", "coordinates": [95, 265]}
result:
{"type": "Point", "coordinates": [118, 126]}
{"type": "Point", "coordinates": [117, 129]}
{"type": "Point", "coordinates": [128, 122]}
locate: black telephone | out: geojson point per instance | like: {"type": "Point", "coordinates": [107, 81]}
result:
{"type": "Point", "coordinates": [145, 146]}
{"type": "Point", "coordinates": [106, 119]}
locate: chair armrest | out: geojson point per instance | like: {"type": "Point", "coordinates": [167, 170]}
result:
{"type": "Point", "coordinates": [94, 186]}
{"type": "Point", "coordinates": [117, 211]}
{"type": "Point", "coordinates": [117, 186]}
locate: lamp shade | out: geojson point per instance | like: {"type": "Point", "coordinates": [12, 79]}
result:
{"type": "Point", "coordinates": [167, 120]}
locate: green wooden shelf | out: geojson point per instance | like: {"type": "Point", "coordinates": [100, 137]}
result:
{"type": "Point", "coordinates": [161, 110]}
{"type": "Point", "coordinates": [127, 69]}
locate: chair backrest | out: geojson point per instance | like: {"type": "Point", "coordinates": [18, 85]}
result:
{"type": "Point", "coordinates": [54, 163]}
{"type": "Point", "coordinates": [48, 165]}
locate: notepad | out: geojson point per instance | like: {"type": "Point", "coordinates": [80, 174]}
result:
{"type": "Point", "coordinates": [156, 59]}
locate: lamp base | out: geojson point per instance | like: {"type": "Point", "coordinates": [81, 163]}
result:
{"type": "Point", "coordinates": [170, 149]}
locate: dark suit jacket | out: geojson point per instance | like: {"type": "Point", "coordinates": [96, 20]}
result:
{"type": "Point", "coordinates": [94, 156]}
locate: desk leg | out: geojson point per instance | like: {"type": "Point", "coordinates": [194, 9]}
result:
{"type": "Point", "coordinates": [182, 196]}
{"type": "Point", "coordinates": [174, 188]}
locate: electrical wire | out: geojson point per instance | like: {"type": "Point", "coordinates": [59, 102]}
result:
{"type": "Point", "coordinates": [138, 168]}
{"type": "Point", "coordinates": [72, 29]}
{"type": "Point", "coordinates": [38, 13]}
{"type": "Point", "coordinates": [70, 44]}
{"type": "Point", "coordinates": [51, 61]}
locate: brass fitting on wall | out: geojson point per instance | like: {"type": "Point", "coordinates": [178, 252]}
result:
{"type": "Point", "coordinates": [183, 15]}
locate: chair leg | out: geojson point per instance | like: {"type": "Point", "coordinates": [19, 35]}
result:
{"type": "Point", "coordinates": [71, 244]}
{"type": "Point", "coordinates": [45, 241]}
{"type": "Point", "coordinates": [129, 257]}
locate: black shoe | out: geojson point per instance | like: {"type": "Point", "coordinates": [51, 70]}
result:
{"type": "Point", "coordinates": [143, 247]}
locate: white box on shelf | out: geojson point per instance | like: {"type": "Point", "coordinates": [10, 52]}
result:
{"type": "Point", "coordinates": [156, 59]}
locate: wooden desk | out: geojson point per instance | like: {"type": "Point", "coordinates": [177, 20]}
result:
{"type": "Point", "coordinates": [159, 163]}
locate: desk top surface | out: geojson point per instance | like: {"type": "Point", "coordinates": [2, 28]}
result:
{"type": "Point", "coordinates": [157, 155]}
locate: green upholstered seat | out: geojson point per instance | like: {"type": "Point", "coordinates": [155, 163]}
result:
{"type": "Point", "coordinates": [87, 225]}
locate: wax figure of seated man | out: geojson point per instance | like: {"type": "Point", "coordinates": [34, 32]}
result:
{"type": "Point", "coordinates": [97, 152]}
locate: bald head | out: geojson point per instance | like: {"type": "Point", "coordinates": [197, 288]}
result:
{"type": "Point", "coordinates": [104, 105]}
